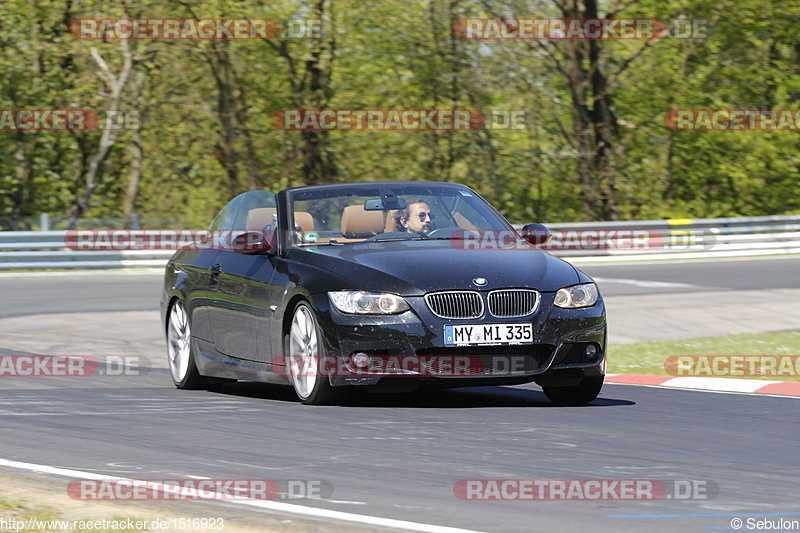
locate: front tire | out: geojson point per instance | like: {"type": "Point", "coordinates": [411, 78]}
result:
{"type": "Point", "coordinates": [581, 394]}
{"type": "Point", "coordinates": [182, 367]}
{"type": "Point", "coordinates": [304, 347]}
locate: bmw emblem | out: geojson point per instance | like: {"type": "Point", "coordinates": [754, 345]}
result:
{"type": "Point", "coordinates": [480, 282]}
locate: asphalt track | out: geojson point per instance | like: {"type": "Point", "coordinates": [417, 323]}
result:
{"type": "Point", "coordinates": [96, 291]}
{"type": "Point", "coordinates": [392, 456]}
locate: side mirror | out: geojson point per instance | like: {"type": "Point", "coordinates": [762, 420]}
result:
{"type": "Point", "coordinates": [250, 242]}
{"type": "Point", "coordinates": [536, 234]}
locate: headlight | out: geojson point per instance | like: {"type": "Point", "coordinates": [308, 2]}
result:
{"type": "Point", "coordinates": [583, 295]}
{"type": "Point", "coordinates": [367, 303]}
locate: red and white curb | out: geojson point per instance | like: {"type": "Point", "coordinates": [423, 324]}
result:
{"type": "Point", "coordinates": [778, 388]}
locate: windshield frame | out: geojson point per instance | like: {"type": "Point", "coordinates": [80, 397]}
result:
{"type": "Point", "coordinates": [289, 199]}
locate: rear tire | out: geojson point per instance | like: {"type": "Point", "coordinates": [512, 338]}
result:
{"type": "Point", "coordinates": [304, 348]}
{"type": "Point", "coordinates": [180, 354]}
{"type": "Point", "coordinates": [581, 394]}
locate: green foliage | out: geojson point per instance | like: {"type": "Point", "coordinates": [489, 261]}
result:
{"type": "Point", "coordinates": [395, 54]}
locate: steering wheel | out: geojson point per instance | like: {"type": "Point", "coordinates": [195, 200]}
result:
{"type": "Point", "coordinates": [441, 233]}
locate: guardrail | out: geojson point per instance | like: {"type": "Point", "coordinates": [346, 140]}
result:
{"type": "Point", "coordinates": [575, 242]}
{"type": "Point", "coordinates": [699, 238]}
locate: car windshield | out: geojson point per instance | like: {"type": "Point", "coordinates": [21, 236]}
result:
{"type": "Point", "coordinates": [383, 212]}
{"type": "Point", "coordinates": [251, 210]}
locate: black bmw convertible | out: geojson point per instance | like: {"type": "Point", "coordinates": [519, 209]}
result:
{"type": "Point", "coordinates": [388, 286]}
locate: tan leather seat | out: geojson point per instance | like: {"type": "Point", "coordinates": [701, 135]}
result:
{"type": "Point", "coordinates": [359, 223]}
{"type": "Point", "coordinates": [462, 221]}
{"type": "Point", "coordinates": [259, 218]}
{"type": "Point", "coordinates": [304, 220]}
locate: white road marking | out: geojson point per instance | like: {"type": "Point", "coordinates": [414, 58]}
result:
{"type": "Point", "coordinates": [98, 272]}
{"type": "Point", "coordinates": [269, 505]}
{"type": "Point", "coordinates": [718, 384]}
{"type": "Point", "coordinates": [262, 467]}
{"type": "Point", "coordinates": [644, 283]}
{"type": "Point", "coordinates": [200, 410]}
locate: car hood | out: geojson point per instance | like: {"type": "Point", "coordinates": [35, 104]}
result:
{"type": "Point", "coordinates": [416, 267]}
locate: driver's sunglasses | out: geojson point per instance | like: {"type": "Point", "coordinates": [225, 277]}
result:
{"type": "Point", "coordinates": [423, 215]}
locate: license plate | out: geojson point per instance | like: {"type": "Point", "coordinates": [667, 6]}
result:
{"type": "Point", "coordinates": [487, 334]}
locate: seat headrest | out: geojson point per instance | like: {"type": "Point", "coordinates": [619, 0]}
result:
{"type": "Point", "coordinates": [304, 220]}
{"type": "Point", "coordinates": [391, 221]}
{"type": "Point", "coordinates": [358, 223]}
{"type": "Point", "coordinates": [259, 218]}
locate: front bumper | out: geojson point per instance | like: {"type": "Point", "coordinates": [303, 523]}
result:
{"type": "Point", "coordinates": [411, 346]}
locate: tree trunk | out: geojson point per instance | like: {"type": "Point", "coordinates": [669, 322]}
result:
{"type": "Point", "coordinates": [21, 175]}
{"type": "Point", "coordinates": [137, 160]}
{"type": "Point", "coordinates": [313, 90]}
{"type": "Point", "coordinates": [226, 152]}
{"type": "Point", "coordinates": [108, 137]}
{"type": "Point", "coordinates": [593, 128]}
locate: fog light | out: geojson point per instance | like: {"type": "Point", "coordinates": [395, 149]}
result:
{"type": "Point", "coordinates": [360, 359]}
{"type": "Point", "coordinates": [591, 351]}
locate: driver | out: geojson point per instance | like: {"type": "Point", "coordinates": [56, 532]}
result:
{"type": "Point", "coordinates": [415, 218]}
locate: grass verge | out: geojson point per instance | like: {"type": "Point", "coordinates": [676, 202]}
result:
{"type": "Point", "coordinates": [649, 357]}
